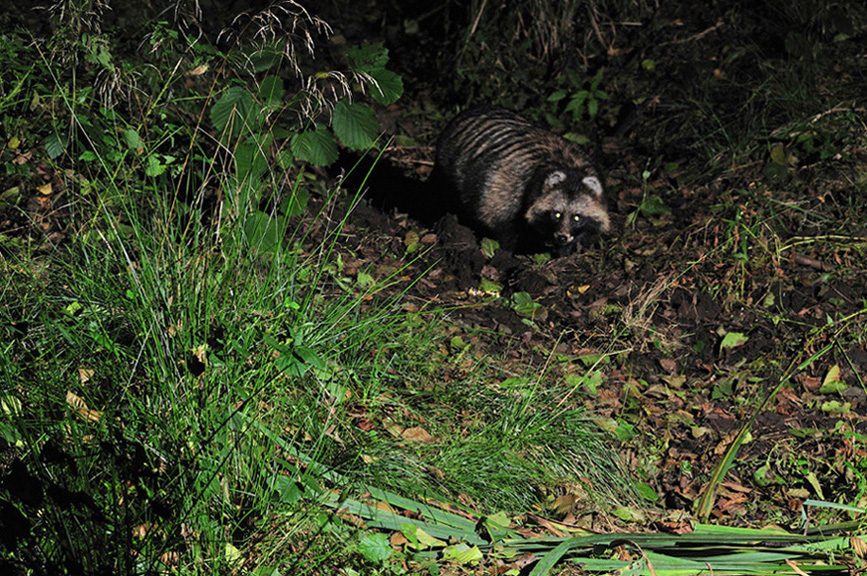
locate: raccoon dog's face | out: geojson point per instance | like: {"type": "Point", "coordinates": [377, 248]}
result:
{"type": "Point", "coordinates": [565, 206]}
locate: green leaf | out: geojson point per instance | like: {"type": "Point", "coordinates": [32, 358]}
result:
{"type": "Point", "coordinates": [263, 232]}
{"type": "Point", "coordinates": [654, 206]}
{"type": "Point", "coordinates": [309, 356]}
{"type": "Point", "coordinates": [316, 147]}
{"type": "Point", "coordinates": [557, 96]}
{"type": "Point", "coordinates": [271, 92]}
{"type": "Point", "coordinates": [154, 166]}
{"type": "Point", "coordinates": [525, 306]}
{"type": "Point", "coordinates": [285, 159]}
{"type": "Point", "coordinates": [367, 58]}
{"type": "Point", "coordinates": [287, 490]}
{"type": "Point", "coordinates": [500, 519]}
{"type": "Point", "coordinates": [388, 88]}
{"type": "Point", "coordinates": [233, 555]}
{"type": "Point", "coordinates": [489, 247]}
{"type": "Point", "coordinates": [462, 553]}
{"type": "Point", "coordinates": [832, 382]}
{"type": "Point", "coordinates": [55, 145]}
{"type": "Point", "coordinates": [251, 161]}
{"type": "Point", "coordinates": [833, 386]}
{"type": "Point", "coordinates": [233, 111]}
{"type": "Point", "coordinates": [733, 340]}
{"type": "Point", "coordinates": [295, 204]}
{"type": "Point", "coordinates": [419, 539]}
{"type": "Point", "coordinates": [779, 155]}
{"type": "Point", "coordinates": [425, 539]}
{"type": "Point", "coordinates": [408, 531]}
{"type": "Point", "coordinates": [375, 548]}
{"type": "Point", "coordinates": [646, 492]}
{"type": "Point", "coordinates": [355, 124]}
{"type": "Point", "coordinates": [630, 514]}
{"type": "Point", "coordinates": [132, 139]}
{"type": "Point", "coordinates": [489, 286]}
{"type": "Point", "coordinates": [579, 139]}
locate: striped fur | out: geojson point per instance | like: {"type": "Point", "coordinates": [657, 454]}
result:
{"type": "Point", "coordinates": [524, 185]}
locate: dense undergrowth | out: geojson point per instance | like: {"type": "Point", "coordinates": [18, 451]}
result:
{"type": "Point", "coordinates": [198, 376]}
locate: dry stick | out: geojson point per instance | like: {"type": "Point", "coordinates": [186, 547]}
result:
{"type": "Point", "coordinates": [698, 36]}
{"type": "Point", "coordinates": [478, 17]}
{"type": "Point", "coordinates": [803, 260]}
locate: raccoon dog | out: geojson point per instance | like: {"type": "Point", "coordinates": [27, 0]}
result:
{"type": "Point", "coordinates": [525, 186]}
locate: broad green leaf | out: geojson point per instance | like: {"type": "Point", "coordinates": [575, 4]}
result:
{"type": "Point", "coordinates": [630, 514]}
{"type": "Point", "coordinates": [233, 555]}
{"type": "Point", "coordinates": [388, 88]}
{"type": "Point", "coordinates": [427, 540]}
{"type": "Point", "coordinates": [251, 161]}
{"type": "Point", "coordinates": [489, 247]}
{"type": "Point", "coordinates": [462, 554]}
{"type": "Point", "coordinates": [653, 206]}
{"type": "Point", "coordinates": [355, 124]}
{"type": "Point", "coordinates": [295, 204]}
{"type": "Point", "coordinates": [647, 492]}
{"type": "Point", "coordinates": [55, 145]}
{"type": "Point", "coordinates": [557, 96]}
{"type": "Point", "coordinates": [489, 286]}
{"type": "Point", "coordinates": [525, 306]}
{"type": "Point", "coordinates": [285, 159]}
{"type": "Point", "coordinates": [309, 356]}
{"type": "Point", "coordinates": [132, 139]}
{"type": "Point", "coordinates": [375, 547]}
{"type": "Point", "coordinates": [263, 232]}
{"type": "Point", "coordinates": [287, 490]}
{"type": "Point", "coordinates": [832, 382]}
{"type": "Point", "coordinates": [154, 166]}
{"type": "Point", "coordinates": [733, 340]}
{"type": "Point", "coordinates": [316, 147]}
{"type": "Point", "coordinates": [233, 111]}
{"type": "Point", "coordinates": [367, 58]}
{"type": "Point", "coordinates": [419, 539]}
{"type": "Point", "coordinates": [271, 92]}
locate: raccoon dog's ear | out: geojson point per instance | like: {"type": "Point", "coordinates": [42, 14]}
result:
{"type": "Point", "coordinates": [594, 184]}
{"type": "Point", "coordinates": [555, 177]}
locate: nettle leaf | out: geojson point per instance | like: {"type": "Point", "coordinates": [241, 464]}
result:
{"type": "Point", "coordinates": [388, 87]}
{"type": "Point", "coordinates": [355, 124]}
{"type": "Point", "coordinates": [316, 147]}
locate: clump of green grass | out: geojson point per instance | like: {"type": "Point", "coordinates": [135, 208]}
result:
{"type": "Point", "coordinates": [181, 372]}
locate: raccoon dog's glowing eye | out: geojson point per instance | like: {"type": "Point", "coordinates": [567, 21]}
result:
{"type": "Point", "coordinates": [576, 218]}
{"type": "Point", "coordinates": [558, 215]}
